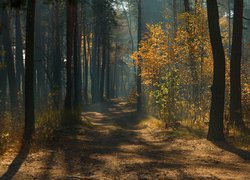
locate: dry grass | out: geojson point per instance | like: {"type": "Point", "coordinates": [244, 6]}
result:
{"type": "Point", "coordinates": [239, 139]}
{"type": "Point", "coordinates": [189, 130]}
{"type": "Point", "coordinates": [151, 122]}
{"type": "Point", "coordinates": [10, 132]}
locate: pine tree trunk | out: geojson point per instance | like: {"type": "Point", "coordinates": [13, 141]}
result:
{"type": "Point", "coordinates": [94, 69]}
{"type": "Point", "coordinates": [77, 65]}
{"type": "Point", "coordinates": [70, 44]}
{"type": "Point", "coordinates": [175, 17]}
{"type": "Point", "coordinates": [3, 80]}
{"type": "Point", "coordinates": [215, 132]}
{"type": "Point", "coordinates": [108, 69]}
{"type": "Point", "coordinates": [103, 67]}
{"type": "Point", "coordinates": [39, 62]}
{"type": "Point", "coordinates": [57, 75]}
{"type": "Point", "coordinates": [139, 88]}
{"type": "Point", "coordinates": [86, 65]}
{"type": "Point", "coordinates": [235, 66]}
{"type": "Point", "coordinates": [29, 73]}
{"type": "Point", "coordinates": [19, 53]}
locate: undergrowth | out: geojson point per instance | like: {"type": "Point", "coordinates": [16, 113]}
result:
{"type": "Point", "coordinates": [48, 122]}
{"type": "Point", "coordinates": [151, 122]}
{"type": "Point", "coordinates": [187, 129]}
{"type": "Point", "coordinates": [10, 132]}
{"type": "Point", "coordinates": [238, 138]}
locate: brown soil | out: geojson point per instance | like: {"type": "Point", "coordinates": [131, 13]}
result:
{"type": "Point", "coordinates": [116, 148]}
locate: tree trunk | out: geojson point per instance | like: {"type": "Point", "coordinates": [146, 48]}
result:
{"type": "Point", "coordinates": [39, 62]}
{"type": "Point", "coordinates": [108, 69]}
{"type": "Point", "coordinates": [70, 44]}
{"type": "Point", "coordinates": [29, 72]}
{"type": "Point", "coordinates": [139, 89]}
{"type": "Point", "coordinates": [57, 76]}
{"type": "Point", "coordinates": [175, 17]}
{"type": "Point", "coordinates": [86, 66]}
{"type": "Point", "coordinates": [19, 53]}
{"type": "Point", "coordinates": [235, 66]}
{"type": "Point", "coordinates": [103, 67]}
{"type": "Point", "coordinates": [186, 6]}
{"type": "Point", "coordinates": [94, 69]}
{"type": "Point", "coordinates": [77, 65]}
{"type": "Point", "coordinates": [3, 80]}
{"type": "Point", "coordinates": [215, 131]}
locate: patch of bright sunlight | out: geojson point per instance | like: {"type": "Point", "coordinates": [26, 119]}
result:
{"type": "Point", "coordinates": [151, 122]}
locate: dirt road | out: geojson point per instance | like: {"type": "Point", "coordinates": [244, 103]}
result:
{"type": "Point", "coordinates": [116, 148]}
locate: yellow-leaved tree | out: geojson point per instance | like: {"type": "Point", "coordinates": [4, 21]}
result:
{"type": "Point", "coordinates": [177, 67]}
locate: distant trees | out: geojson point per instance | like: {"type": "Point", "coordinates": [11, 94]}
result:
{"type": "Point", "coordinates": [95, 67]}
{"type": "Point", "coordinates": [57, 57]}
{"type": "Point", "coordinates": [6, 39]}
{"type": "Point", "coordinates": [104, 19]}
{"type": "Point", "coordinates": [61, 50]}
{"type": "Point", "coordinates": [191, 48]}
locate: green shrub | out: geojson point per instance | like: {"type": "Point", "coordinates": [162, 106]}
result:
{"type": "Point", "coordinates": [166, 94]}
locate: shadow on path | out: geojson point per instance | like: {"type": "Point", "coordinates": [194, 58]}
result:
{"type": "Point", "coordinates": [232, 149]}
{"type": "Point", "coordinates": [17, 162]}
{"type": "Point", "coordinates": [117, 148]}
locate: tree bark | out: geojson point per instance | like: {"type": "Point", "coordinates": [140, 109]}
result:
{"type": "Point", "coordinates": [103, 67]}
{"type": "Point", "coordinates": [39, 62]}
{"type": "Point", "coordinates": [3, 80]}
{"type": "Point", "coordinates": [94, 69]}
{"type": "Point", "coordinates": [70, 44]}
{"type": "Point", "coordinates": [77, 64]}
{"type": "Point", "coordinates": [86, 65]}
{"type": "Point", "coordinates": [108, 69]}
{"type": "Point", "coordinates": [139, 88]}
{"type": "Point", "coordinates": [215, 131]}
{"type": "Point", "coordinates": [57, 75]}
{"type": "Point", "coordinates": [175, 17]}
{"type": "Point", "coordinates": [19, 53]}
{"type": "Point", "coordinates": [29, 128]}
{"type": "Point", "coordinates": [186, 6]}
{"type": "Point", "coordinates": [235, 66]}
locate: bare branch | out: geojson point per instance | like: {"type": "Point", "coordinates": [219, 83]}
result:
{"type": "Point", "coordinates": [246, 18]}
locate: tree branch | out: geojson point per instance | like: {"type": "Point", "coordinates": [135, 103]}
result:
{"type": "Point", "coordinates": [246, 18]}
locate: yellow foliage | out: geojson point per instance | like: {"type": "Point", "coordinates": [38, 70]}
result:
{"type": "Point", "coordinates": [161, 50]}
{"type": "Point", "coordinates": [154, 52]}
{"type": "Point", "coordinates": [177, 67]}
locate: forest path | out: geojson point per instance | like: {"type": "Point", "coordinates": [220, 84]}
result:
{"type": "Point", "coordinates": [117, 148]}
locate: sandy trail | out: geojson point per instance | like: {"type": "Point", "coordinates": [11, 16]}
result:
{"type": "Point", "coordinates": [116, 148]}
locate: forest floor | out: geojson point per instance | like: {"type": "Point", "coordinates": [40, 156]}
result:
{"type": "Point", "coordinates": [116, 147]}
